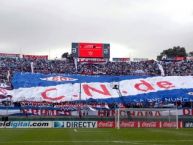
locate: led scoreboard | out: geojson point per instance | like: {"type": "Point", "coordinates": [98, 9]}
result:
{"type": "Point", "coordinates": [90, 50]}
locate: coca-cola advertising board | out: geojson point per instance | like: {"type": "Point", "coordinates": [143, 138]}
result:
{"type": "Point", "coordinates": [106, 124]}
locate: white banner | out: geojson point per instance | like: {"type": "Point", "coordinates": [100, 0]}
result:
{"type": "Point", "coordinates": [100, 90]}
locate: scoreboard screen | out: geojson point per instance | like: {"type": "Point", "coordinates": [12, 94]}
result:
{"type": "Point", "coordinates": [90, 50]}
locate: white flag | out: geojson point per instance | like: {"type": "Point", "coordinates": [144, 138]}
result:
{"type": "Point", "coordinates": [32, 67]}
{"type": "Point", "coordinates": [161, 69]}
{"type": "Point", "coordinates": [75, 63]}
{"type": "Point", "coordinates": [91, 108]}
{"type": "Point", "coordinates": [8, 75]}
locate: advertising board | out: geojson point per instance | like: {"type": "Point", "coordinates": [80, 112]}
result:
{"type": "Point", "coordinates": [25, 124]}
{"type": "Point", "coordinates": [74, 124]}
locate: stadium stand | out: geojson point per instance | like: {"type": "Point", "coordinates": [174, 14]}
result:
{"type": "Point", "coordinates": [150, 67]}
{"type": "Point", "coordinates": [9, 66]}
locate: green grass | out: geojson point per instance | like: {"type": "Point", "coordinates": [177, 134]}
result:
{"type": "Point", "coordinates": [129, 136]}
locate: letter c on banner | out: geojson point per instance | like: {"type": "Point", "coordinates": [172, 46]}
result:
{"type": "Point", "coordinates": [44, 95]}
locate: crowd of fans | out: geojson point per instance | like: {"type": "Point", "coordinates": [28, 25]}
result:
{"type": "Point", "coordinates": [175, 68]}
{"type": "Point", "coordinates": [178, 68]}
{"type": "Point", "coordinates": [8, 66]}
{"type": "Point", "coordinates": [121, 68]}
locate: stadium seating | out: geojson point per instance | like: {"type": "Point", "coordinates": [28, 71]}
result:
{"type": "Point", "coordinates": [8, 66]}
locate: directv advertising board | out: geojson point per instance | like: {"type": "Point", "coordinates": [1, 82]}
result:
{"type": "Point", "coordinates": [90, 50]}
{"type": "Point", "coordinates": [74, 124]}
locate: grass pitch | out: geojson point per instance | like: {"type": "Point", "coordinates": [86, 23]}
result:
{"type": "Point", "coordinates": [129, 136]}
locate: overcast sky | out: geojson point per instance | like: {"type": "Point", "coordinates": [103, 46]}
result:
{"type": "Point", "coordinates": [134, 28]}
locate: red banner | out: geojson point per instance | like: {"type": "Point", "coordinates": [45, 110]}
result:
{"type": "Point", "coordinates": [180, 58]}
{"type": "Point", "coordinates": [45, 112]}
{"type": "Point", "coordinates": [36, 57]}
{"type": "Point", "coordinates": [133, 113]}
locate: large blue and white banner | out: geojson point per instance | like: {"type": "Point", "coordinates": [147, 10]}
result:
{"type": "Point", "coordinates": [58, 88]}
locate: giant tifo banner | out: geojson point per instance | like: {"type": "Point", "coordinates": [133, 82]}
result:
{"type": "Point", "coordinates": [58, 88]}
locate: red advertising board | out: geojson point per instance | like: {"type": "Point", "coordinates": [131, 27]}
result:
{"type": "Point", "coordinates": [139, 124]}
{"type": "Point", "coordinates": [169, 125]}
{"type": "Point", "coordinates": [91, 50]}
{"type": "Point", "coordinates": [129, 124]}
{"type": "Point", "coordinates": [106, 124]}
{"type": "Point", "coordinates": [152, 124]}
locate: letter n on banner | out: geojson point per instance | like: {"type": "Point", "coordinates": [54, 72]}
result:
{"type": "Point", "coordinates": [89, 89]}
